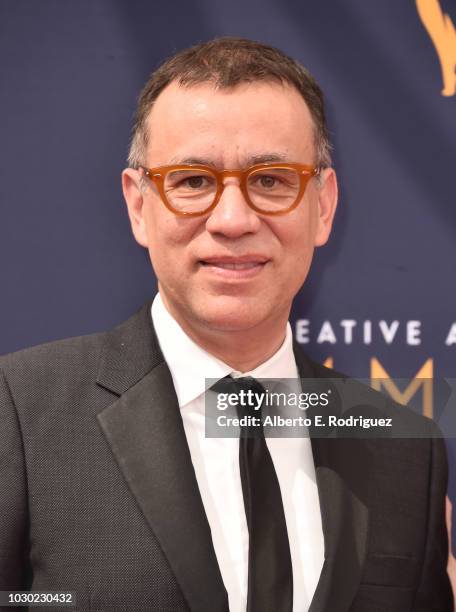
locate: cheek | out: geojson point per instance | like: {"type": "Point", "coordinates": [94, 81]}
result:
{"type": "Point", "coordinates": [297, 244]}
{"type": "Point", "coordinates": [164, 230]}
{"type": "Point", "coordinates": [298, 235]}
{"type": "Point", "coordinates": [169, 240]}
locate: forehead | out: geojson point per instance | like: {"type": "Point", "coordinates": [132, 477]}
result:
{"type": "Point", "coordinates": [229, 125]}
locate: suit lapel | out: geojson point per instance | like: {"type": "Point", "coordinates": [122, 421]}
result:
{"type": "Point", "coordinates": [145, 432]}
{"type": "Point", "coordinates": [342, 469]}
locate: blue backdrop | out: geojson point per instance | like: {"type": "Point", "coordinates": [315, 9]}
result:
{"type": "Point", "coordinates": [71, 71]}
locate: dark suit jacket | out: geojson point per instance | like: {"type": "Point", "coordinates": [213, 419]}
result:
{"type": "Point", "coordinates": [98, 494]}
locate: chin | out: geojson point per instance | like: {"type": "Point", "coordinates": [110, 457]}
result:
{"type": "Point", "coordinates": [230, 314]}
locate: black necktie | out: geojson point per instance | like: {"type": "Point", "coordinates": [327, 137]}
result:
{"type": "Point", "coordinates": [270, 580]}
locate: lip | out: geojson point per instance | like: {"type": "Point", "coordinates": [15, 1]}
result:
{"type": "Point", "coordinates": [236, 268]}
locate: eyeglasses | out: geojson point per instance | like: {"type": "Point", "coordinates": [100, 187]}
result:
{"type": "Point", "coordinates": [269, 188]}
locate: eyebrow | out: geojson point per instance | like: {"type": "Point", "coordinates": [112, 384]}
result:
{"type": "Point", "coordinates": [201, 161]}
{"type": "Point", "coordinates": [261, 158]}
{"type": "Point", "coordinates": [267, 157]}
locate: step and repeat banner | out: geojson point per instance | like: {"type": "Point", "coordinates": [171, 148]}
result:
{"type": "Point", "coordinates": [380, 301]}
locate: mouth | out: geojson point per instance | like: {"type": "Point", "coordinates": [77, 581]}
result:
{"type": "Point", "coordinates": [234, 267]}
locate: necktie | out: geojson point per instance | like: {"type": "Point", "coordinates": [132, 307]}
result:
{"type": "Point", "coordinates": [270, 578]}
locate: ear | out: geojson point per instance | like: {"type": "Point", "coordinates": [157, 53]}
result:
{"type": "Point", "coordinates": [134, 198]}
{"type": "Point", "coordinates": [327, 202]}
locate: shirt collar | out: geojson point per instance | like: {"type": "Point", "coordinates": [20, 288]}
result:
{"type": "Point", "coordinates": [190, 365]}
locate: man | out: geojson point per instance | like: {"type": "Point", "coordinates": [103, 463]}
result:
{"type": "Point", "coordinates": [110, 488]}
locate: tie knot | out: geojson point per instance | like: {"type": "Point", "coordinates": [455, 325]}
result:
{"type": "Point", "coordinates": [250, 397]}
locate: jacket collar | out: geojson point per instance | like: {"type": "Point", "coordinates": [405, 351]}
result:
{"type": "Point", "coordinates": [130, 351]}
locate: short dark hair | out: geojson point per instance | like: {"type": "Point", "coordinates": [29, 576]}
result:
{"type": "Point", "coordinates": [227, 62]}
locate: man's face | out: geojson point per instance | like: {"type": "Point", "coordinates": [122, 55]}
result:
{"type": "Point", "coordinates": [193, 257]}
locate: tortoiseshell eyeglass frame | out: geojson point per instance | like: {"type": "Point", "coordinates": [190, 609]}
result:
{"type": "Point", "coordinates": [157, 175]}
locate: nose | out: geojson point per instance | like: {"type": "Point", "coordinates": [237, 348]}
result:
{"type": "Point", "coordinates": [232, 217]}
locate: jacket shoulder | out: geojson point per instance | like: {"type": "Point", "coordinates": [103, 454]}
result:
{"type": "Point", "coordinates": [57, 350]}
{"type": "Point", "coordinates": [77, 359]}
{"type": "Point", "coordinates": [52, 353]}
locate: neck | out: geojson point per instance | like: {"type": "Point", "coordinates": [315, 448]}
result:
{"type": "Point", "coordinates": [243, 350]}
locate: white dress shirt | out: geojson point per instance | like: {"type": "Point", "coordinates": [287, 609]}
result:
{"type": "Point", "coordinates": [216, 465]}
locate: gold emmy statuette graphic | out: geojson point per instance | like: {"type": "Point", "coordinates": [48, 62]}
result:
{"type": "Point", "coordinates": [423, 380]}
{"type": "Point", "coordinates": [443, 34]}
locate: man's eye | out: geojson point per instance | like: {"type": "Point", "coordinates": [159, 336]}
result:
{"type": "Point", "coordinates": [190, 182]}
{"type": "Point", "coordinates": [194, 182]}
{"type": "Point", "coordinates": [266, 181]}
{"type": "Point", "coordinates": [184, 183]}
